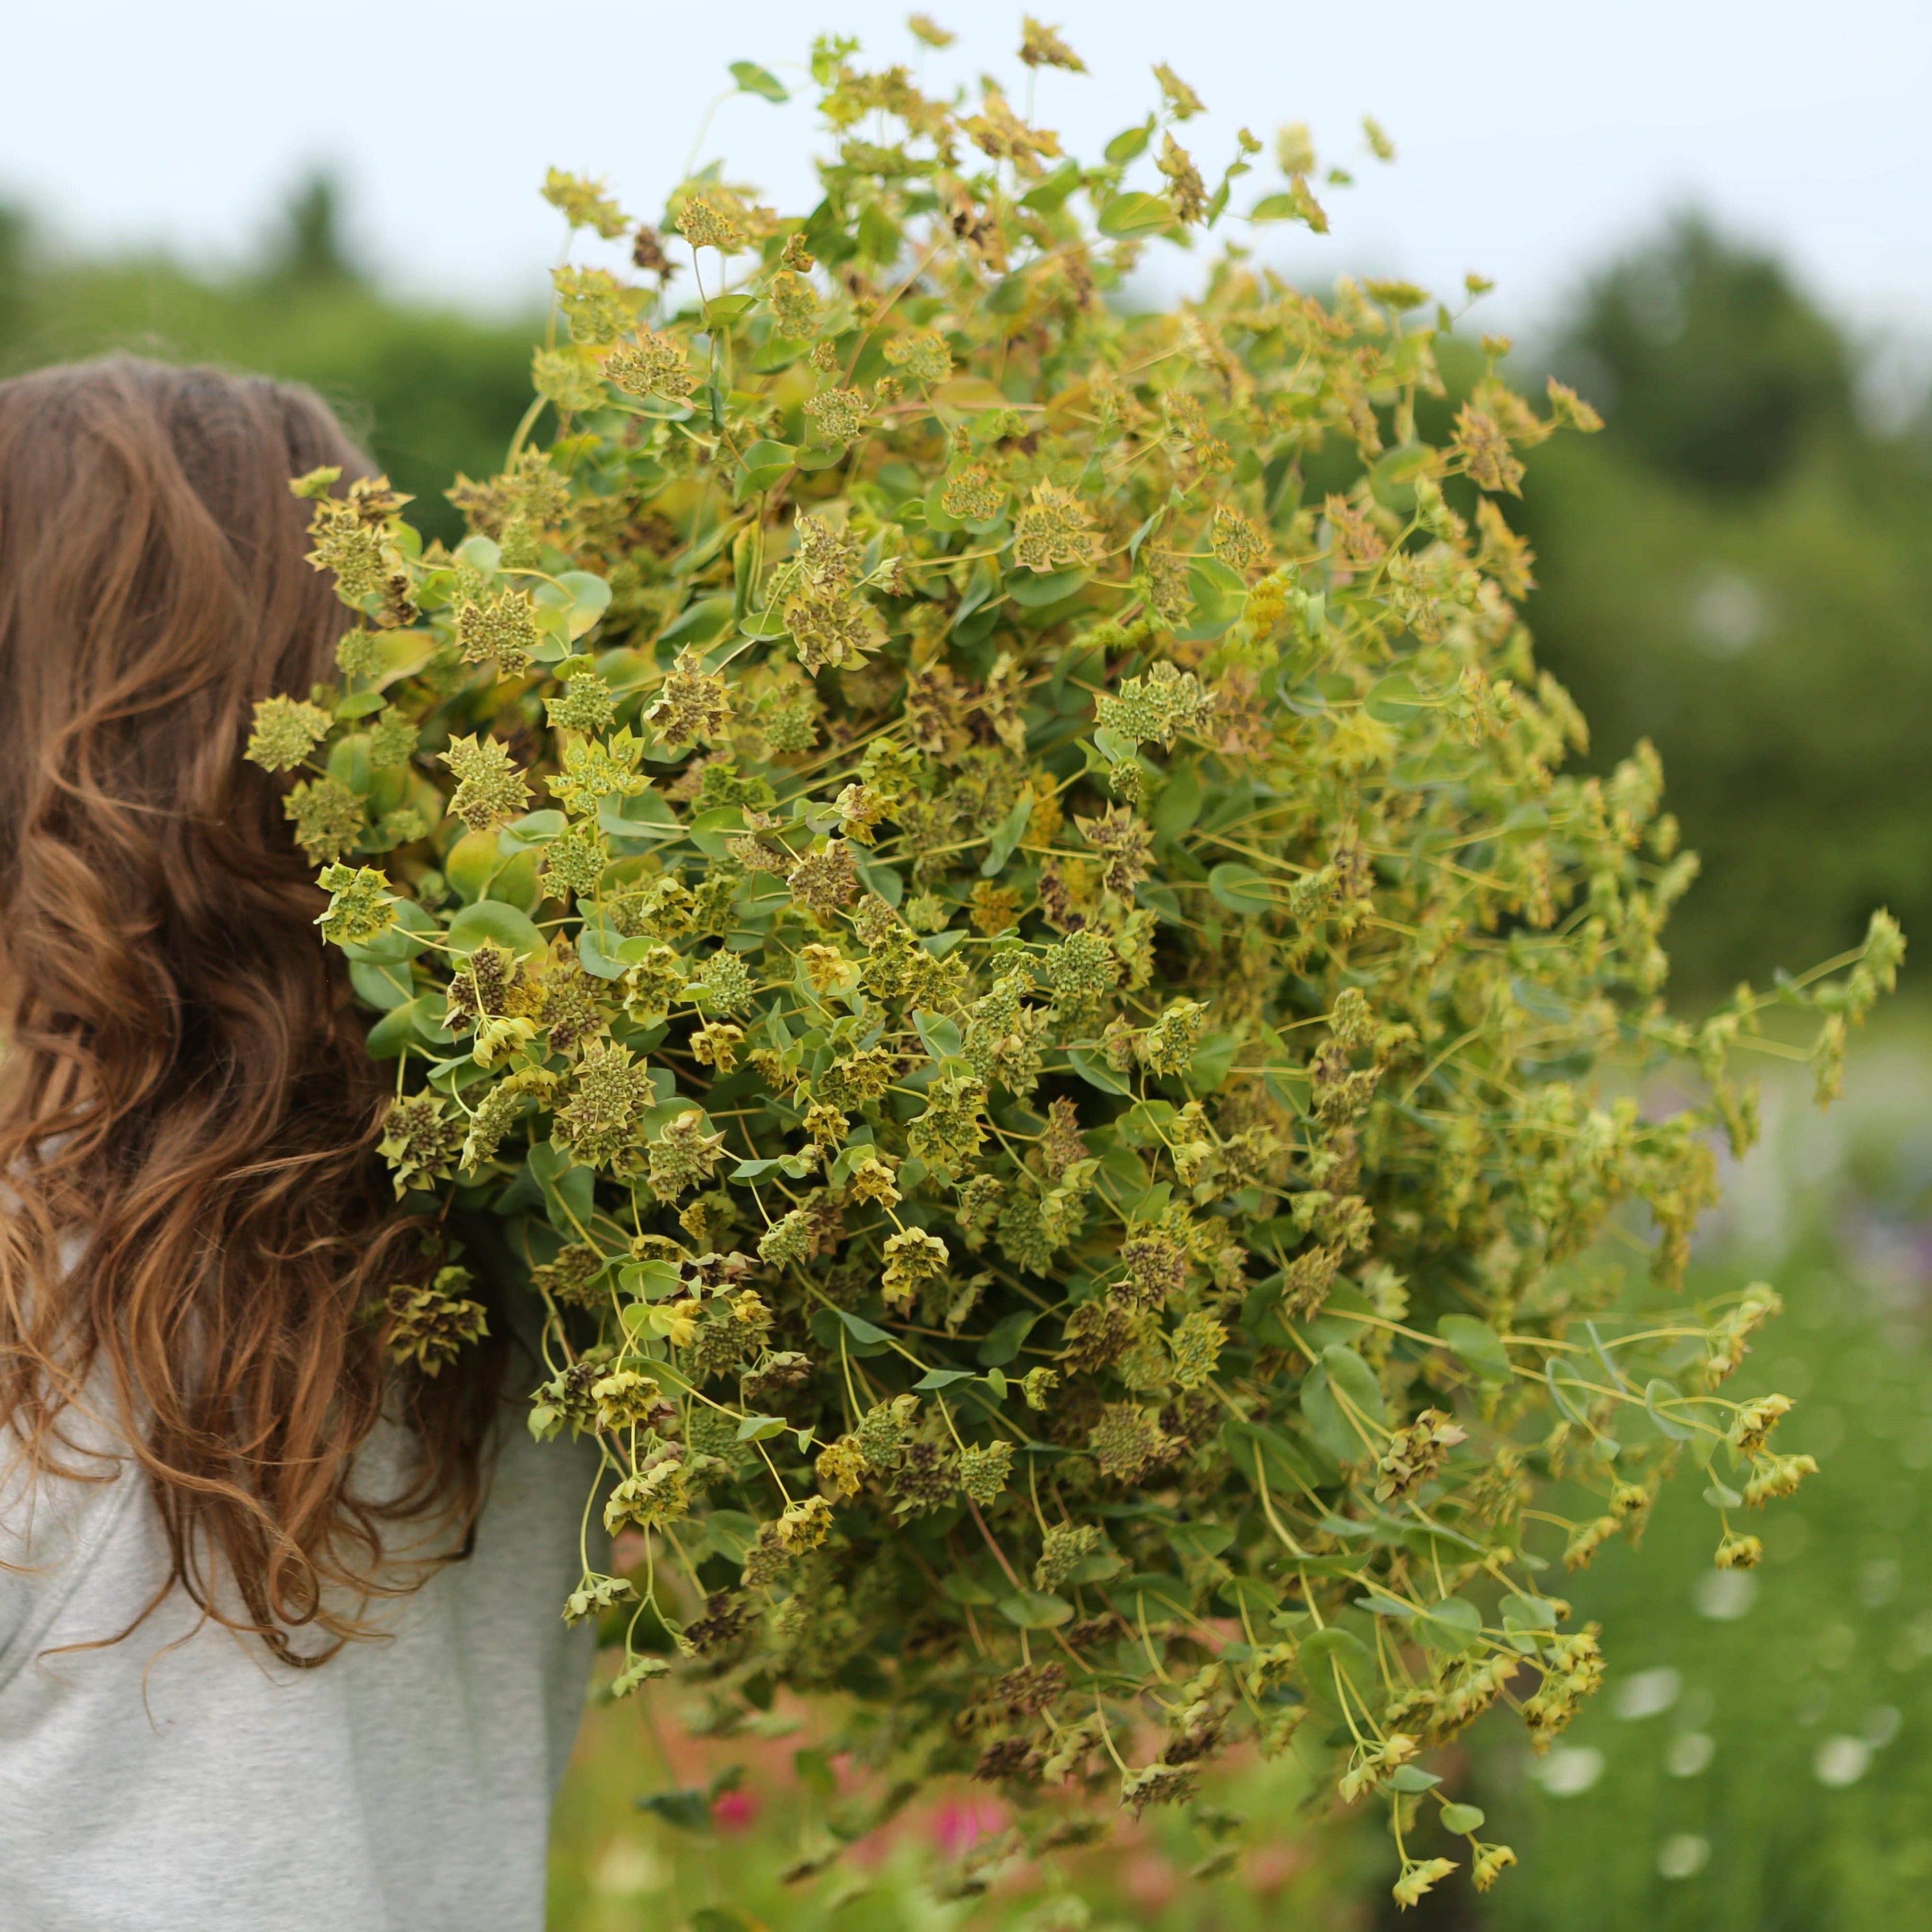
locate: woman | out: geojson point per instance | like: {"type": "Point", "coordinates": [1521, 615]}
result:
{"type": "Point", "coordinates": [279, 1640]}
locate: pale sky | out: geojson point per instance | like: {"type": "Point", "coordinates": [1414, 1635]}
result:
{"type": "Point", "coordinates": [1534, 135]}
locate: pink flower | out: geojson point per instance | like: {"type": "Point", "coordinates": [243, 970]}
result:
{"type": "Point", "coordinates": [734, 1811]}
{"type": "Point", "coordinates": [959, 1822]}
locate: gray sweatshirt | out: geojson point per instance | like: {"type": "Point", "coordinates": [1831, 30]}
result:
{"type": "Point", "coordinates": [181, 1780]}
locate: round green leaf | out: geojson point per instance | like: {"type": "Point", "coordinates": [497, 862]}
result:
{"type": "Point", "coordinates": [939, 1035]}
{"type": "Point", "coordinates": [1571, 1410]}
{"type": "Point", "coordinates": [1332, 1658]}
{"type": "Point", "coordinates": [1250, 1593]}
{"type": "Point", "coordinates": [491, 919]}
{"type": "Point", "coordinates": [426, 1021]}
{"type": "Point", "coordinates": [1209, 577]}
{"type": "Point", "coordinates": [384, 986]}
{"type": "Point", "coordinates": [752, 79]}
{"type": "Point", "coordinates": [1378, 1605]}
{"type": "Point", "coordinates": [1454, 1625]}
{"type": "Point", "coordinates": [1477, 1346]}
{"type": "Point", "coordinates": [1095, 1071]}
{"type": "Point", "coordinates": [936, 517]}
{"type": "Point", "coordinates": [479, 867]}
{"type": "Point", "coordinates": [1134, 213]}
{"type": "Point", "coordinates": [1656, 1393]}
{"type": "Point", "coordinates": [1529, 1613]}
{"type": "Point", "coordinates": [1035, 1610]}
{"type": "Point", "coordinates": [1037, 589]}
{"type": "Point", "coordinates": [1240, 889]}
{"type": "Point", "coordinates": [1326, 1423]}
{"type": "Point", "coordinates": [1356, 1380]}
{"type": "Point", "coordinates": [1266, 1455]}
{"type": "Point", "coordinates": [394, 1030]}
{"type": "Point", "coordinates": [732, 1533]}
{"type": "Point", "coordinates": [534, 828]}
{"type": "Point", "coordinates": [779, 352]}
{"type": "Point", "coordinates": [828, 1325]}
{"type": "Point", "coordinates": [590, 598]}
{"type": "Point", "coordinates": [941, 1378]}
{"type": "Point", "coordinates": [470, 862]}
{"type": "Point", "coordinates": [700, 623]}
{"type": "Point", "coordinates": [650, 1281]}
{"type": "Point", "coordinates": [1157, 1598]}
{"type": "Point", "coordinates": [859, 1328]}
{"type": "Point", "coordinates": [1393, 477]}
{"type": "Point", "coordinates": [1179, 803]}
{"type": "Point", "coordinates": [1003, 1341]}
{"type": "Point", "coordinates": [1009, 297]}
{"type": "Point", "coordinates": [1193, 1542]}
{"type": "Point", "coordinates": [597, 950]}
{"type": "Point", "coordinates": [1213, 1061]}
{"type": "Point", "coordinates": [884, 880]}
{"type": "Point", "coordinates": [765, 462]}
{"type": "Point", "coordinates": [963, 1587]}
{"type": "Point", "coordinates": [1394, 700]}
{"type": "Point", "coordinates": [712, 831]}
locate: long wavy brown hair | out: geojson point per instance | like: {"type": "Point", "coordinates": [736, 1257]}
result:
{"type": "Point", "coordinates": [192, 1221]}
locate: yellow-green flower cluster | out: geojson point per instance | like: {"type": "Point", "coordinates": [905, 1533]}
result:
{"type": "Point", "coordinates": [285, 731]}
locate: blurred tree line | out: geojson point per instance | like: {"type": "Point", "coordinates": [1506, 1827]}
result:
{"type": "Point", "coordinates": [429, 391]}
{"type": "Point", "coordinates": [1737, 568]}
{"type": "Point", "coordinates": [1734, 568]}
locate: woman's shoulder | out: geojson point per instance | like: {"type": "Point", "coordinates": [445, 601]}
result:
{"type": "Point", "coordinates": [62, 1502]}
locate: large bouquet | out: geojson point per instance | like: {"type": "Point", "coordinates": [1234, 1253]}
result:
{"type": "Point", "coordinates": [978, 880]}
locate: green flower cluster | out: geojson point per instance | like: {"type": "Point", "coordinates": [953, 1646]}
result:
{"type": "Point", "coordinates": [1050, 1047]}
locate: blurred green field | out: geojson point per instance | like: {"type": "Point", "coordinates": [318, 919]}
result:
{"type": "Point", "coordinates": [1761, 1758]}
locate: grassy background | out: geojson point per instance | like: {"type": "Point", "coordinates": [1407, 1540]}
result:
{"type": "Point", "coordinates": [1761, 1758]}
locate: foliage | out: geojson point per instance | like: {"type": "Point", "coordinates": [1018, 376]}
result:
{"type": "Point", "coordinates": [1029, 997]}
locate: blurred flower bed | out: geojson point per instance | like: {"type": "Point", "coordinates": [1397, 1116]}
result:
{"type": "Point", "coordinates": [656, 1830]}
